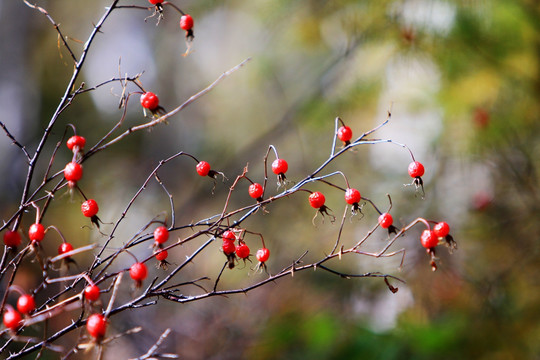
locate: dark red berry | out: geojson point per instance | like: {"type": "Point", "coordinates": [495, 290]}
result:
{"type": "Point", "coordinates": [344, 133]}
{"type": "Point", "coordinates": [161, 234]}
{"type": "Point", "coordinates": [12, 319]}
{"type": "Point", "coordinates": [149, 101]}
{"type": "Point", "coordinates": [203, 168]}
{"type": "Point", "coordinates": [416, 169]}
{"type": "Point", "coordinates": [316, 200]}
{"type": "Point", "coordinates": [280, 166]}
{"type": "Point", "coordinates": [36, 232]}
{"type": "Point", "coordinates": [262, 255]}
{"type": "Point", "coordinates": [186, 22]}
{"type": "Point", "coordinates": [12, 238]}
{"type": "Point", "coordinates": [352, 196]}
{"type": "Point", "coordinates": [138, 271]}
{"type": "Point", "coordinates": [76, 141]}
{"type": "Point", "coordinates": [428, 239]}
{"type": "Point", "coordinates": [26, 304]}
{"type": "Point", "coordinates": [162, 255]}
{"type": "Point", "coordinates": [441, 229]}
{"type": "Point", "coordinates": [64, 248]}
{"type": "Point", "coordinates": [73, 172]}
{"type": "Point", "coordinates": [96, 326]}
{"type": "Point", "coordinates": [89, 208]}
{"type": "Point", "coordinates": [91, 292]}
{"type": "Point", "coordinates": [385, 220]}
{"type": "Point", "coordinates": [255, 190]}
{"type": "Point", "coordinates": [242, 251]}
{"type": "Point", "coordinates": [228, 247]}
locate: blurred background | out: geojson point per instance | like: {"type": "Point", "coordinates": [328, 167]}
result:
{"type": "Point", "coordinates": [462, 81]}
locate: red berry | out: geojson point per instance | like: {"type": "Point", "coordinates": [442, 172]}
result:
{"type": "Point", "coordinates": [26, 304]}
{"type": "Point", "coordinates": [149, 101]}
{"type": "Point", "coordinates": [228, 235]}
{"type": "Point", "coordinates": [12, 238]}
{"type": "Point", "coordinates": [352, 196]}
{"type": "Point", "coordinates": [228, 247]}
{"type": "Point", "coordinates": [242, 251]}
{"type": "Point", "coordinates": [262, 255]}
{"type": "Point", "coordinates": [255, 190]}
{"type": "Point", "coordinates": [186, 22]}
{"type": "Point", "coordinates": [73, 172]}
{"type": "Point", "coordinates": [36, 232]}
{"type": "Point", "coordinates": [344, 133]}
{"type": "Point", "coordinates": [12, 319]}
{"type": "Point", "coordinates": [416, 169]}
{"type": "Point", "coordinates": [161, 234]}
{"type": "Point", "coordinates": [316, 200]}
{"type": "Point", "coordinates": [203, 168]}
{"type": "Point", "coordinates": [279, 166]}
{"type": "Point", "coordinates": [91, 292]}
{"type": "Point", "coordinates": [138, 271]}
{"type": "Point", "coordinates": [64, 248]}
{"type": "Point", "coordinates": [385, 220]}
{"type": "Point", "coordinates": [89, 208]}
{"type": "Point", "coordinates": [162, 255]}
{"type": "Point", "coordinates": [76, 141]}
{"type": "Point", "coordinates": [155, 2]}
{"type": "Point", "coordinates": [428, 239]}
{"type": "Point", "coordinates": [441, 229]}
{"type": "Point", "coordinates": [96, 325]}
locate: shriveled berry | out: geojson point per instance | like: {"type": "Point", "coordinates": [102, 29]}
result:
{"type": "Point", "coordinates": [162, 255]}
{"type": "Point", "coordinates": [316, 200]}
{"type": "Point", "coordinates": [428, 239]}
{"type": "Point", "coordinates": [76, 141]}
{"type": "Point", "coordinates": [149, 101]}
{"type": "Point", "coordinates": [186, 22]}
{"type": "Point", "coordinates": [91, 292]}
{"type": "Point", "coordinates": [36, 232]}
{"type": "Point", "coordinates": [385, 220]}
{"type": "Point", "coordinates": [138, 271]}
{"type": "Point", "coordinates": [73, 172]}
{"type": "Point", "coordinates": [255, 190]}
{"type": "Point", "coordinates": [352, 196]}
{"type": "Point", "coordinates": [344, 133]}
{"type": "Point", "coordinates": [26, 304]}
{"type": "Point", "coordinates": [161, 235]}
{"type": "Point", "coordinates": [416, 169]}
{"type": "Point", "coordinates": [280, 166]}
{"type": "Point", "coordinates": [441, 229]}
{"type": "Point", "coordinates": [203, 168]}
{"type": "Point", "coordinates": [89, 208]}
{"type": "Point", "coordinates": [12, 319]}
{"type": "Point", "coordinates": [242, 251]}
{"type": "Point", "coordinates": [12, 238]}
{"type": "Point", "coordinates": [228, 247]}
{"type": "Point", "coordinates": [262, 255]}
{"type": "Point", "coordinates": [96, 326]}
{"type": "Point", "coordinates": [64, 248]}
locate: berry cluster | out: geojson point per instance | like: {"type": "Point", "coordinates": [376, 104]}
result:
{"type": "Point", "coordinates": [86, 290]}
